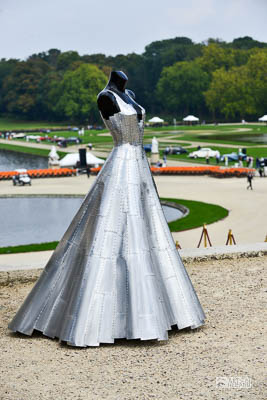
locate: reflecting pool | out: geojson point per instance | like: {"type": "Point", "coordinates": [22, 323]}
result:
{"type": "Point", "coordinates": [26, 220]}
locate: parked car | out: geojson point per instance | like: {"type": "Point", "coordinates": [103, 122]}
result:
{"type": "Point", "coordinates": [175, 150]}
{"type": "Point", "coordinates": [233, 156]}
{"type": "Point", "coordinates": [204, 152]}
{"type": "Point", "coordinates": [57, 139]}
{"type": "Point", "coordinates": [33, 137]}
{"type": "Point", "coordinates": [18, 135]}
{"type": "Point", "coordinates": [69, 140]}
{"type": "Point", "coordinates": [148, 148]}
{"type": "Point", "coordinates": [22, 178]}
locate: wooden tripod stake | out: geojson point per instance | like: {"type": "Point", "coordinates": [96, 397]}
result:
{"type": "Point", "coordinates": [206, 237]}
{"type": "Point", "coordinates": [230, 238]}
{"type": "Point", "coordinates": [177, 245]}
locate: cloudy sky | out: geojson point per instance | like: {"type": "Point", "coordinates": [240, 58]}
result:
{"type": "Point", "coordinates": [122, 26]}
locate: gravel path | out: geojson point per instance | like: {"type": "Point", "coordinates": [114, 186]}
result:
{"type": "Point", "coordinates": [185, 367]}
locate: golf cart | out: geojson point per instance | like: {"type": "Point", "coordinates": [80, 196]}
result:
{"type": "Point", "coordinates": [21, 178]}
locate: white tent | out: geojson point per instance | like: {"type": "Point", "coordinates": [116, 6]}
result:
{"type": "Point", "coordinates": [190, 118]}
{"type": "Point", "coordinates": [264, 118]}
{"type": "Point", "coordinates": [70, 160]}
{"type": "Point", "coordinates": [156, 120]}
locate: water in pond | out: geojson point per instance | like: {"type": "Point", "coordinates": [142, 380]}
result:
{"type": "Point", "coordinates": [28, 220]}
{"type": "Point", "coordinates": [10, 160]}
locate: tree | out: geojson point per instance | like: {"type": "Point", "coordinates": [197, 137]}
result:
{"type": "Point", "coordinates": [21, 88]}
{"type": "Point", "coordinates": [240, 91]}
{"type": "Point", "coordinates": [67, 58]}
{"type": "Point", "coordinates": [6, 68]}
{"type": "Point", "coordinates": [257, 79]}
{"type": "Point", "coordinates": [246, 43]}
{"type": "Point", "coordinates": [50, 56]}
{"type": "Point", "coordinates": [164, 53]}
{"type": "Point", "coordinates": [214, 57]}
{"type": "Point", "coordinates": [181, 88]}
{"type": "Point", "coordinates": [229, 93]}
{"type": "Point", "coordinates": [74, 97]}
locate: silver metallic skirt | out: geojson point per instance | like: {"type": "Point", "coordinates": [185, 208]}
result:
{"type": "Point", "coordinates": [116, 272]}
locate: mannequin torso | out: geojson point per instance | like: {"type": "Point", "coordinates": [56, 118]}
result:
{"type": "Point", "coordinates": [107, 102]}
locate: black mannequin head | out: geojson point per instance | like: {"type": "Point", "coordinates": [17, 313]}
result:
{"type": "Point", "coordinates": [118, 80]}
{"type": "Point", "coordinates": [106, 100]}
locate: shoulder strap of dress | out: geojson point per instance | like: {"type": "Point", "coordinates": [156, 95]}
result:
{"type": "Point", "coordinates": [123, 103]}
{"type": "Point", "coordinates": [117, 97]}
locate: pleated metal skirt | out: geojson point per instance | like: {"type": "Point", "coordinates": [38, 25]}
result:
{"type": "Point", "coordinates": [116, 272]}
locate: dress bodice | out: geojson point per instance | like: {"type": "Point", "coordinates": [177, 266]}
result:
{"type": "Point", "coordinates": [124, 126]}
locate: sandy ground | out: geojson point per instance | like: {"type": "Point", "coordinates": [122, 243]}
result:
{"type": "Point", "coordinates": [247, 209]}
{"type": "Point", "coordinates": [230, 345]}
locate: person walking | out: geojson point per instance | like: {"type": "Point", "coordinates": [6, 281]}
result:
{"type": "Point", "coordinates": [88, 172]}
{"type": "Point", "coordinates": [164, 161]}
{"type": "Point", "coordinates": [249, 178]}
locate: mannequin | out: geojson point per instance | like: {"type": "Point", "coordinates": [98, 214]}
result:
{"type": "Point", "coordinates": [107, 102]}
{"type": "Point", "coordinates": [116, 272]}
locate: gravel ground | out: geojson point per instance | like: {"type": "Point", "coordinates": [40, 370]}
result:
{"type": "Point", "coordinates": [184, 367]}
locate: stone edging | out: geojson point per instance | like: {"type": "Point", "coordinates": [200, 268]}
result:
{"type": "Point", "coordinates": [180, 207]}
{"type": "Point", "coordinates": [15, 277]}
{"type": "Point", "coordinates": [226, 256]}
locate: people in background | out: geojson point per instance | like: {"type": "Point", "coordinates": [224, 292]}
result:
{"type": "Point", "coordinates": [88, 171]}
{"type": "Point", "coordinates": [249, 179]}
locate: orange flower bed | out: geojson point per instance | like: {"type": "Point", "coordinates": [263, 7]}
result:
{"type": "Point", "coordinates": [212, 170]}
{"type": "Point", "coordinates": [215, 171]}
{"type": "Point", "coordinates": [40, 173]}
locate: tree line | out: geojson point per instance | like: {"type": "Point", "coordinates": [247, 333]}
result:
{"type": "Point", "coordinates": [215, 80]}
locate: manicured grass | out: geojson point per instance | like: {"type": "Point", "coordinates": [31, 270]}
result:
{"type": "Point", "coordinates": [28, 248]}
{"type": "Point", "coordinates": [163, 145]}
{"type": "Point", "coordinates": [29, 150]}
{"type": "Point", "coordinates": [7, 123]}
{"type": "Point", "coordinates": [225, 134]}
{"type": "Point", "coordinates": [219, 134]}
{"type": "Point", "coordinates": [91, 136]}
{"type": "Point", "coordinates": [257, 152]}
{"type": "Point", "coordinates": [200, 213]}
{"type": "Point", "coordinates": [254, 128]}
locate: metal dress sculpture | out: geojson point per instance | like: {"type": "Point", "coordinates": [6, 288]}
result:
{"type": "Point", "coordinates": [116, 272]}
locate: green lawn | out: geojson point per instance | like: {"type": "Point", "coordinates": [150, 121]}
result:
{"type": "Point", "coordinates": [227, 134]}
{"type": "Point", "coordinates": [7, 123]}
{"type": "Point", "coordinates": [28, 248]}
{"type": "Point", "coordinates": [199, 214]}
{"type": "Point", "coordinates": [219, 134]}
{"type": "Point", "coordinates": [29, 150]}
